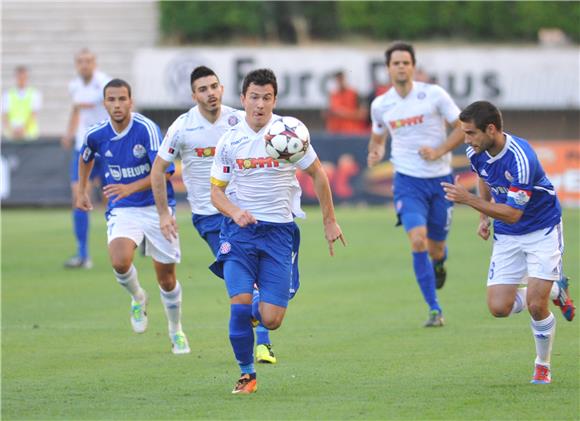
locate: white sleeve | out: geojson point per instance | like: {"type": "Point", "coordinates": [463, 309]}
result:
{"type": "Point", "coordinates": [223, 164]}
{"type": "Point", "coordinates": [308, 158]}
{"type": "Point", "coordinates": [5, 103]}
{"type": "Point", "coordinates": [378, 125]}
{"type": "Point", "coordinates": [169, 149]}
{"type": "Point", "coordinates": [445, 105]}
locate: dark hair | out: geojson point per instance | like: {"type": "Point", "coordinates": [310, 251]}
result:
{"type": "Point", "coordinates": [117, 83]}
{"type": "Point", "coordinates": [260, 77]}
{"type": "Point", "coordinates": [399, 46]}
{"type": "Point", "coordinates": [482, 113]}
{"type": "Point", "coordinates": [20, 69]}
{"type": "Point", "coordinates": [199, 72]}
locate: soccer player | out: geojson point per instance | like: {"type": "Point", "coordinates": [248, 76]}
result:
{"type": "Point", "coordinates": [86, 91]}
{"type": "Point", "coordinates": [128, 144]}
{"type": "Point", "coordinates": [194, 136]}
{"type": "Point", "coordinates": [528, 242]}
{"type": "Point", "coordinates": [258, 233]}
{"type": "Point", "coordinates": [414, 115]}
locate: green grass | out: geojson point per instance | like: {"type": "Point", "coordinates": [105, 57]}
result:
{"type": "Point", "coordinates": [351, 347]}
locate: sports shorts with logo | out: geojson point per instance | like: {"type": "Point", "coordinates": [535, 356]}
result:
{"type": "Point", "coordinates": [262, 254]}
{"type": "Point", "coordinates": [421, 202]}
{"type": "Point", "coordinates": [142, 224]}
{"type": "Point", "coordinates": [517, 257]}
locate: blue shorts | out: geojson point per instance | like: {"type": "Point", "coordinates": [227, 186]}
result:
{"type": "Point", "coordinates": [421, 202]}
{"type": "Point", "coordinates": [265, 254]}
{"type": "Point", "coordinates": [208, 227]}
{"type": "Point", "coordinates": [74, 168]}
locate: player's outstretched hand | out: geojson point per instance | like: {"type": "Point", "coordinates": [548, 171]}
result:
{"type": "Point", "coordinates": [483, 228]}
{"type": "Point", "coordinates": [455, 192]}
{"type": "Point", "coordinates": [168, 226]}
{"type": "Point", "coordinates": [84, 202]}
{"type": "Point", "coordinates": [429, 154]}
{"type": "Point", "coordinates": [244, 218]}
{"type": "Point", "coordinates": [332, 232]}
{"type": "Point", "coordinates": [119, 190]}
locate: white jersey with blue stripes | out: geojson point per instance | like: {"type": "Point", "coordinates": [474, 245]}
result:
{"type": "Point", "coordinates": [127, 156]}
{"type": "Point", "coordinates": [516, 178]}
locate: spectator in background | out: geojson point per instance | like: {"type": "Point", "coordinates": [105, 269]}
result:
{"type": "Point", "coordinates": [346, 114]}
{"type": "Point", "coordinates": [86, 91]}
{"type": "Point", "coordinates": [20, 106]}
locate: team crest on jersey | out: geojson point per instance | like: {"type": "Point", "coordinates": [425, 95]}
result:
{"type": "Point", "coordinates": [225, 248]}
{"type": "Point", "coordinates": [521, 197]}
{"type": "Point", "coordinates": [233, 120]}
{"type": "Point", "coordinates": [115, 171]}
{"type": "Point", "coordinates": [86, 154]}
{"type": "Point", "coordinates": [139, 151]}
{"type": "Point", "coordinates": [508, 176]}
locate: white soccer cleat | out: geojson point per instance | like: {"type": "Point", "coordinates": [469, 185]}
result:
{"type": "Point", "coordinates": [179, 344]}
{"type": "Point", "coordinates": [139, 315]}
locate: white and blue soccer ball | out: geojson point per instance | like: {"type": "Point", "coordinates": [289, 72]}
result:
{"type": "Point", "coordinates": [287, 138]}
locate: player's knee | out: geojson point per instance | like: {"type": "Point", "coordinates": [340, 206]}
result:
{"type": "Point", "coordinates": [499, 309]}
{"type": "Point", "coordinates": [538, 310]}
{"type": "Point", "coordinates": [419, 243]}
{"type": "Point", "coordinates": [272, 322]}
{"type": "Point", "coordinates": [121, 265]}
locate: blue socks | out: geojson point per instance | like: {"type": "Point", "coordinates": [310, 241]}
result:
{"type": "Point", "coordinates": [81, 229]}
{"type": "Point", "coordinates": [262, 334]}
{"type": "Point", "coordinates": [426, 278]}
{"type": "Point", "coordinates": [242, 336]}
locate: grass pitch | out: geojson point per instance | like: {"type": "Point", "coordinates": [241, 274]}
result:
{"type": "Point", "coordinates": [351, 346]}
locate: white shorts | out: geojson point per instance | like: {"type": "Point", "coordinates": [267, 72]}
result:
{"type": "Point", "coordinates": [536, 255]}
{"type": "Point", "coordinates": [142, 223]}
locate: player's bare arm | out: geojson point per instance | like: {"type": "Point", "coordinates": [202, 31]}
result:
{"type": "Point", "coordinates": [454, 139]}
{"type": "Point", "coordinates": [377, 146]}
{"type": "Point", "coordinates": [459, 194]}
{"type": "Point", "coordinates": [332, 231]}
{"type": "Point", "coordinates": [124, 190]}
{"type": "Point", "coordinates": [484, 223]}
{"type": "Point", "coordinates": [83, 199]}
{"type": "Point", "coordinates": [167, 222]}
{"type": "Point", "coordinates": [225, 206]}
{"type": "Point", "coordinates": [67, 139]}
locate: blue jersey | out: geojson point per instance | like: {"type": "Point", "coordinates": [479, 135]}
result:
{"type": "Point", "coordinates": [127, 157]}
{"type": "Point", "coordinates": [516, 178]}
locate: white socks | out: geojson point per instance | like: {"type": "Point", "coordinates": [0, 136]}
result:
{"type": "Point", "coordinates": [544, 331]}
{"type": "Point", "coordinates": [555, 291]}
{"type": "Point", "coordinates": [130, 282]}
{"type": "Point", "coordinates": [172, 302]}
{"type": "Point", "coordinates": [520, 301]}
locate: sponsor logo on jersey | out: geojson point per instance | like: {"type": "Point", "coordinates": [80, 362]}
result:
{"type": "Point", "coordinates": [205, 152]}
{"type": "Point", "coordinates": [225, 248]}
{"type": "Point", "coordinates": [251, 163]}
{"type": "Point", "coordinates": [405, 122]}
{"type": "Point", "coordinates": [108, 154]}
{"type": "Point", "coordinates": [118, 173]}
{"type": "Point", "coordinates": [483, 173]}
{"type": "Point", "coordinates": [193, 129]}
{"type": "Point", "coordinates": [240, 140]}
{"type": "Point", "coordinates": [508, 176]}
{"type": "Point", "coordinates": [499, 190]}
{"type": "Point", "coordinates": [521, 197]}
{"type": "Point", "coordinates": [139, 151]}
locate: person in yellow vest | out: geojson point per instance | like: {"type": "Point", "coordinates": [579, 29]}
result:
{"type": "Point", "coordinates": [20, 106]}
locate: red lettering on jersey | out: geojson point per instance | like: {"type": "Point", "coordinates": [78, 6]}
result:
{"type": "Point", "coordinates": [251, 163]}
{"type": "Point", "coordinates": [405, 122]}
{"type": "Point", "coordinates": [205, 152]}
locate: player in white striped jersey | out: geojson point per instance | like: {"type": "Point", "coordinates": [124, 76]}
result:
{"type": "Point", "coordinates": [128, 144]}
{"type": "Point", "coordinates": [528, 241]}
{"type": "Point", "coordinates": [415, 114]}
{"type": "Point", "coordinates": [193, 137]}
{"type": "Point", "coordinates": [257, 235]}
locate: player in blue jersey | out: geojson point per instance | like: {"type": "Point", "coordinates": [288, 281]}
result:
{"type": "Point", "coordinates": [257, 235]}
{"type": "Point", "coordinates": [193, 137]}
{"type": "Point", "coordinates": [128, 143]}
{"type": "Point", "coordinates": [415, 114]}
{"type": "Point", "coordinates": [528, 241]}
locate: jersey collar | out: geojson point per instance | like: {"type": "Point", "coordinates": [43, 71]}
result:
{"type": "Point", "coordinates": [124, 132]}
{"type": "Point", "coordinates": [492, 159]}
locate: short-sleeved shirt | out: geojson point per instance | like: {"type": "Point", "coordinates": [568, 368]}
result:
{"type": "Point", "coordinates": [36, 98]}
{"type": "Point", "coordinates": [127, 157]}
{"type": "Point", "coordinates": [516, 178]}
{"type": "Point", "coordinates": [262, 185]}
{"type": "Point", "coordinates": [412, 122]}
{"type": "Point", "coordinates": [194, 139]}
{"type": "Point", "coordinates": [88, 93]}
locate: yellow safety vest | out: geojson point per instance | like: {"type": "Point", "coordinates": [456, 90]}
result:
{"type": "Point", "coordinates": [20, 112]}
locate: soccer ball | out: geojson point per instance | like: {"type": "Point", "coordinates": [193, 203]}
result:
{"type": "Point", "coordinates": [288, 139]}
